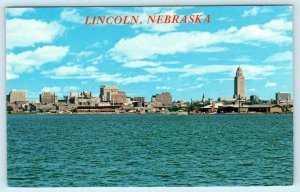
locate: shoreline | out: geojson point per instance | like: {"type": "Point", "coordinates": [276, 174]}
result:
{"type": "Point", "coordinates": [112, 113]}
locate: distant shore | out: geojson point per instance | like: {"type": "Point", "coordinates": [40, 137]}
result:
{"type": "Point", "coordinates": [169, 113]}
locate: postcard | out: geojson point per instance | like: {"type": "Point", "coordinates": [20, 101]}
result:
{"type": "Point", "coordinates": [149, 96]}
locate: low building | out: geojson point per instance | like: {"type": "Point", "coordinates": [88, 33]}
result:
{"type": "Point", "coordinates": [138, 101]}
{"type": "Point", "coordinates": [119, 98]}
{"type": "Point", "coordinates": [94, 101]}
{"type": "Point", "coordinates": [165, 99]}
{"type": "Point", "coordinates": [259, 108]}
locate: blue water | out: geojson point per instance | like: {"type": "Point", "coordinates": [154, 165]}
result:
{"type": "Point", "coordinates": [150, 150]}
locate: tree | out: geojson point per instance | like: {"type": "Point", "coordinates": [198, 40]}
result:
{"type": "Point", "coordinates": [9, 109]}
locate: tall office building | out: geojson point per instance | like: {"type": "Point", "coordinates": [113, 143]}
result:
{"type": "Point", "coordinates": [283, 96]}
{"type": "Point", "coordinates": [16, 96]}
{"type": "Point", "coordinates": [239, 84]}
{"type": "Point", "coordinates": [47, 98]}
{"type": "Point", "coordinates": [106, 91]}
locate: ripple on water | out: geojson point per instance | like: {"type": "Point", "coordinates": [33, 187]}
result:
{"type": "Point", "coordinates": [149, 150]}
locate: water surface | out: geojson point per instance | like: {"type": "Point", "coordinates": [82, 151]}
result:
{"type": "Point", "coordinates": [149, 150]}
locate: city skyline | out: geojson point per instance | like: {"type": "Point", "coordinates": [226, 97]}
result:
{"type": "Point", "coordinates": [60, 61]}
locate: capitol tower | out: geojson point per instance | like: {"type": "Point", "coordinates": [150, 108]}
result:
{"type": "Point", "coordinates": [239, 84]}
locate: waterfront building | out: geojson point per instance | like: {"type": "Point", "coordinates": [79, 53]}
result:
{"type": "Point", "coordinates": [47, 98]}
{"type": "Point", "coordinates": [283, 96]}
{"type": "Point", "coordinates": [105, 90]}
{"type": "Point", "coordinates": [165, 99]}
{"type": "Point", "coordinates": [118, 98]}
{"type": "Point", "coordinates": [254, 99]}
{"type": "Point", "coordinates": [258, 108]}
{"type": "Point", "coordinates": [85, 95]}
{"type": "Point", "coordinates": [226, 100]}
{"type": "Point", "coordinates": [73, 98]}
{"type": "Point", "coordinates": [203, 98]}
{"type": "Point", "coordinates": [138, 101]}
{"type": "Point", "coordinates": [73, 94]}
{"type": "Point", "coordinates": [93, 101]}
{"type": "Point", "coordinates": [16, 96]}
{"type": "Point", "coordinates": [239, 84]}
{"type": "Point", "coordinates": [86, 98]}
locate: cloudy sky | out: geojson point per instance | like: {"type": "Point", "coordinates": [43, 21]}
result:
{"type": "Point", "coordinates": [50, 49]}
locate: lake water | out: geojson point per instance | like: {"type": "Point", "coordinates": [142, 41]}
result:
{"type": "Point", "coordinates": [150, 150]}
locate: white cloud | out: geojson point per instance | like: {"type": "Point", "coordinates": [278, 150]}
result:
{"type": "Point", "coordinates": [279, 25]}
{"type": "Point", "coordinates": [91, 69]}
{"type": "Point", "coordinates": [30, 60]}
{"type": "Point", "coordinates": [256, 10]}
{"type": "Point", "coordinates": [67, 71]}
{"type": "Point", "coordinates": [252, 90]}
{"type": "Point", "coordinates": [24, 33]}
{"type": "Point", "coordinates": [280, 57]}
{"type": "Point", "coordinates": [91, 72]}
{"type": "Point", "coordinates": [242, 58]}
{"type": "Point", "coordinates": [152, 45]}
{"type": "Point", "coordinates": [270, 84]}
{"type": "Point", "coordinates": [71, 15]}
{"type": "Point", "coordinates": [180, 89]}
{"type": "Point", "coordinates": [139, 64]}
{"type": "Point", "coordinates": [134, 79]}
{"type": "Point", "coordinates": [16, 12]}
{"type": "Point", "coordinates": [266, 10]}
{"type": "Point", "coordinates": [70, 88]}
{"type": "Point", "coordinates": [225, 19]}
{"type": "Point", "coordinates": [96, 60]}
{"type": "Point", "coordinates": [54, 89]}
{"type": "Point", "coordinates": [250, 71]}
{"type": "Point", "coordinates": [163, 88]}
{"type": "Point", "coordinates": [10, 75]}
{"type": "Point", "coordinates": [83, 55]}
{"type": "Point", "coordinates": [196, 86]}
{"type": "Point", "coordinates": [200, 79]}
{"type": "Point", "coordinates": [222, 18]}
{"type": "Point", "coordinates": [251, 12]}
{"type": "Point", "coordinates": [189, 87]}
{"type": "Point", "coordinates": [95, 45]}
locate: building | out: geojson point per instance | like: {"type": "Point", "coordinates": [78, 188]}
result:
{"type": "Point", "coordinates": [254, 99]}
{"type": "Point", "coordinates": [16, 96]}
{"type": "Point", "coordinates": [118, 98]}
{"type": "Point", "coordinates": [85, 95]}
{"type": "Point", "coordinates": [239, 84]}
{"type": "Point", "coordinates": [105, 90]}
{"type": "Point", "coordinates": [165, 99]}
{"type": "Point", "coordinates": [283, 96]}
{"type": "Point", "coordinates": [47, 98]}
{"type": "Point", "coordinates": [93, 101]}
{"type": "Point", "coordinates": [73, 94]}
{"type": "Point", "coordinates": [138, 101]}
{"type": "Point", "coordinates": [258, 108]}
{"type": "Point", "coordinates": [73, 98]}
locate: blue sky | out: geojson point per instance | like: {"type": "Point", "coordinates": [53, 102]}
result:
{"type": "Point", "coordinates": [50, 49]}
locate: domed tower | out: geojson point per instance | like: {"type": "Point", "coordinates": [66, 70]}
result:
{"type": "Point", "coordinates": [239, 84]}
